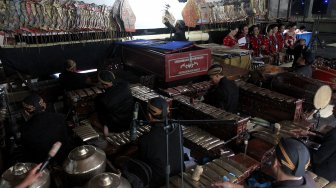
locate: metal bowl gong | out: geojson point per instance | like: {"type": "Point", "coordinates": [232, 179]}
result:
{"type": "Point", "coordinates": [84, 162]}
{"type": "Point", "coordinates": [16, 174]}
{"type": "Point", "coordinates": [108, 180]}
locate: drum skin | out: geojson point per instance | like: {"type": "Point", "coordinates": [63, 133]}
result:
{"type": "Point", "coordinates": [315, 94]}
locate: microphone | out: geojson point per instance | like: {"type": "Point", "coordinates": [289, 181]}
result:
{"type": "Point", "coordinates": [51, 154]}
{"type": "Point", "coordinates": [134, 126]}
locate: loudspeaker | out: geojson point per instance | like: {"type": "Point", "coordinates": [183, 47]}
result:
{"type": "Point", "coordinates": [320, 6]}
{"type": "Point", "coordinates": [298, 7]}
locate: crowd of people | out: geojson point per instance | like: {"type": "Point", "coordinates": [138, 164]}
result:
{"type": "Point", "coordinates": [114, 110]}
{"type": "Point", "coordinates": [276, 44]}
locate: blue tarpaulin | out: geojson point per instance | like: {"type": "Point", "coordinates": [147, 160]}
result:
{"type": "Point", "coordinates": [158, 44]}
{"type": "Point", "coordinates": [307, 36]}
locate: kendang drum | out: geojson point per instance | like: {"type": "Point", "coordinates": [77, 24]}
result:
{"type": "Point", "coordinates": [16, 174]}
{"type": "Point", "coordinates": [315, 94]}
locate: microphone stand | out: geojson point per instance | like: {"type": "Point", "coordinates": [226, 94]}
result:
{"type": "Point", "coordinates": [317, 116]}
{"type": "Point", "coordinates": [172, 124]}
{"type": "Point", "coordinates": [166, 128]}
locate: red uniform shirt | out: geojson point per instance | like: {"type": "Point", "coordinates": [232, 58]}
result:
{"type": "Point", "coordinates": [256, 43]}
{"type": "Point", "coordinates": [269, 44]}
{"type": "Point", "coordinates": [289, 40]}
{"type": "Point", "coordinates": [273, 44]}
{"type": "Point", "coordinates": [280, 40]}
{"type": "Point", "coordinates": [229, 41]}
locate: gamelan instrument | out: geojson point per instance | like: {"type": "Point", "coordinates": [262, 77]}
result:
{"type": "Point", "coordinates": [264, 139]}
{"type": "Point", "coordinates": [203, 144]}
{"type": "Point", "coordinates": [321, 182]}
{"type": "Point", "coordinates": [326, 75]}
{"type": "Point", "coordinates": [199, 110]}
{"type": "Point", "coordinates": [82, 100]}
{"type": "Point", "coordinates": [260, 150]}
{"type": "Point", "coordinates": [142, 94]}
{"type": "Point", "coordinates": [16, 174]}
{"type": "Point", "coordinates": [84, 162]}
{"type": "Point", "coordinates": [235, 169]}
{"type": "Point", "coordinates": [189, 90]}
{"type": "Point", "coordinates": [316, 95]}
{"type": "Point", "coordinates": [105, 180]}
{"type": "Point", "coordinates": [168, 61]}
{"type": "Point", "coordinates": [123, 138]}
{"type": "Point", "coordinates": [85, 131]}
{"type": "Point", "coordinates": [267, 104]}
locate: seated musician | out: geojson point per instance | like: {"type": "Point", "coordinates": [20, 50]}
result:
{"type": "Point", "coordinates": [304, 63]}
{"type": "Point", "coordinates": [152, 147]}
{"type": "Point", "coordinates": [289, 167]}
{"type": "Point", "coordinates": [323, 159]}
{"type": "Point", "coordinates": [279, 36]}
{"type": "Point", "coordinates": [70, 79]}
{"type": "Point", "coordinates": [179, 31]}
{"type": "Point", "coordinates": [256, 41]}
{"type": "Point", "coordinates": [290, 36]}
{"type": "Point", "coordinates": [224, 93]}
{"type": "Point", "coordinates": [301, 29]}
{"type": "Point", "coordinates": [244, 32]}
{"type": "Point", "coordinates": [269, 45]}
{"type": "Point", "coordinates": [114, 107]}
{"type": "Point", "coordinates": [230, 39]}
{"type": "Point", "coordinates": [298, 50]}
{"type": "Point", "coordinates": [42, 130]}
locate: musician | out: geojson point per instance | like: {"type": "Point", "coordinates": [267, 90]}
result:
{"type": "Point", "coordinates": [179, 31]}
{"type": "Point", "coordinates": [224, 93]}
{"type": "Point", "coordinates": [304, 63]}
{"type": "Point", "coordinates": [324, 159]}
{"type": "Point", "coordinates": [289, 167]}
{"type": "Point", "coordinates": [244, 32]}
{"type": "Point", "coordinates": [298, 50]}
{"type": "Point", "coordinates": [114, 107]}
{"type": "Point", "coordinates": [42, 130]}
{"type": "Point", "coordinates": [290, 36]}
{"type": "Point", "coordinates": [152, 146]}
{"type": "Point", "coordinates": [301, 29]}
{"type": "Point", "coordinates": [230, 39]}
{"type": "Point", "coordinates": [70, 79]}
{"type": "Point", "coordinates": [278, 33]}
{"type": "Point", "coordinates": [269, 45]}
{"type": "Point", "coordinates": [256, 41]}
{"type": "Point", "coordinates": [277, 37]}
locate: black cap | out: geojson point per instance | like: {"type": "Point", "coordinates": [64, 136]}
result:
{"type": "Point", "coordinates": [106, 77]}
{"type": "Point", "coordinates": [158, 107]}
{"type": "Point", "coordinates": [293, 156]}
{"type": "Point", "coordinates": [215, 69]}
